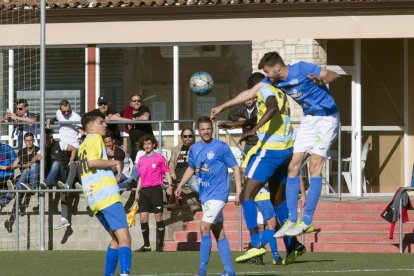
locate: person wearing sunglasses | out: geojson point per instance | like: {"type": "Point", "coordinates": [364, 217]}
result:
{"type": "Point", "coordinates": [68, 133]}
{"type": "Point", "coordinates": [138, 112]}
{"type": "Point", "coordinates": [178, 164]}
{"type": "Point", "coordinates": [179, 159]}
{"type": "Point", "coordinates": [23, 115]}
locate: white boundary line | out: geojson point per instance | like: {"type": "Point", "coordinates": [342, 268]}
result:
{"type": "Point", "coordinates": [273, 272]}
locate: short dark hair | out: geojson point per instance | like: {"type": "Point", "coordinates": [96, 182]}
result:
{"type": "Point", "coordinates": [64, 103]}
{"type": "Point", "coordinates": [109, 134]}
{"type": "Point", "coordinates": [270, 59]}
{"type": "Point", "coordinates": [29, 134]}
{"type": "Point", "coordinates": [203, 119]}
{"type": "Point", "coordinates": [147, 137]}
{"type": "Point", "coordinates": [22, 101]}
{"type": "Point", "coordinates": [90, 117]}
{"type": "Point", "coordinates": [254, 79]}
{"type": "Point", "coordinates": [49, 131]}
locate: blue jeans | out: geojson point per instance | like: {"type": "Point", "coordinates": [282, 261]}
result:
{"type": "Point", "coordinates": [124, 181]}
{"type": "Point", "coordinates": [56, 170]}
{"type": "Point", "coordinates": [31, 174]}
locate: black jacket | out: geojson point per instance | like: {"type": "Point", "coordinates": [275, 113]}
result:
{"type": "Point", "coordinates": [251, 121]}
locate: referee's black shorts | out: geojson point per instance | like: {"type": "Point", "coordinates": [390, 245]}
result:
{"type": "Point", "coordinates": [151, 200]}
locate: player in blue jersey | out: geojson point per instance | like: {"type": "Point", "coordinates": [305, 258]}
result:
{"type": "Point", "coordinates": [306, 84]}
{"type": "Point", "coordinates": [267, 161]}
{"type": "Point", "coordinates": [210, 159]}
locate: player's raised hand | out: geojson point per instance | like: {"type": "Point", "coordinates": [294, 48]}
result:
{"type": "Point", "coordinates": [214, 111]}
{"type": "Point", "coordinates": [246, 135]}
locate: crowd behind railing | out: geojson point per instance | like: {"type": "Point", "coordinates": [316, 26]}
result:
{"type": "Point", "coordinates": [20, 166]}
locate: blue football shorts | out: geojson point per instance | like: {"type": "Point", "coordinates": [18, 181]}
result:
{"type": "Point", "coordinates": [266, 164]}
{"type": "Point", "coordinates": [113, 217]}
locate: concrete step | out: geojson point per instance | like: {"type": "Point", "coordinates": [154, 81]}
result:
{"type": "Point", "coordinates": [363, 247]}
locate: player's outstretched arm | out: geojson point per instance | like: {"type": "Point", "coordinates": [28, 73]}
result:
{"type": "Point", "coordinates": [240, 98]}
{"type": "Point", "coordinates": [102, 164]}
{"type": "Point", "coordinates": [271, 109]}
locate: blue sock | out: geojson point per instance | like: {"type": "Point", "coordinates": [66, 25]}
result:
{"type": "Point", "coordinates": [263, 238]}
{"type": "Point", "coordinates": [223, 248]}
{"type": "Point", "coordinates": [111, 261]}
{"type": "Point", "coordinates": [315, 188]}
{"type": "Point", "coordinates": [205, 249]}
{"type": "Point", "coordinates": [292, 191]}
{"type": "Point", "coordinates": [124, 260]}
{"type": "Point", "coordinates": [272, 242]}
{"type": "Point", "coordinates": [282, 214]}
{"type": "Point", "coordinates": [250, 217]}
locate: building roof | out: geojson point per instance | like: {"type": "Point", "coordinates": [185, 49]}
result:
{"type": "Point", "coordinates": [59, 4]}
{"type": "Point", "coordinates": [60, 11]}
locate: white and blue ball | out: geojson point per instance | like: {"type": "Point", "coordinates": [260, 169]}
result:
{"type": "Point", "coordinates": [201, 83]}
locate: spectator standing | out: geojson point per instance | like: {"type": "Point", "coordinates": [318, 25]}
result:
{"type": "Point", "coordinates": [246, 114]}
{"type": "Point", "coordinates": [139, 113]}
{"type": "Point", "coordinates": [23, 115]}
{"type": "Point", "coordinates": [68, 133]}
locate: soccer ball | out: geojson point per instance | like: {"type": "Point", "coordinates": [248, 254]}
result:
{"type": "Point", "coordinates": [201, 83]}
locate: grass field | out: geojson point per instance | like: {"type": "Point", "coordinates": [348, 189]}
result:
{"type": "Point", "coordinates": [186, 263]}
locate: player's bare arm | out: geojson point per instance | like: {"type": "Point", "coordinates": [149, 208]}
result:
{"type": "Point", "coordinates": [169, 180]}
{"type": "Point", "coordinates": [240, 98]}
{"type": "Point", "coordinates": [187, 175]}
{"type": "Point", "coordinates": [326, 76]}
{"type": "Point", "coordinates": [271, 109]}
{"type": "Point", "coordinates": [231, 124]}
{"type": "Point", "coordinates": [138, 189]}
{"type": "Point", "coordinates": [237, 181]}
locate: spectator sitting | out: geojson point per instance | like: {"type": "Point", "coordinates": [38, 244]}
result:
{"type": "Point", "coordinates": [23, 115]}
{"type": "Point", "coordinates": [7, 157]}
{"type": "Point", "coordinates": [179, 159]}
{"type": "Point", "coordinates": [28, 159]}
{"type": "Point", "coordinates": [61, 155]}
{"type": "Point", "coordinates": [110, 115]}
{"type": "Point", "coordinates": [115, 152]}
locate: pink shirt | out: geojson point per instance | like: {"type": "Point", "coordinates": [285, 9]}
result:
{"type": "Point", "coordinates": [151, 170]}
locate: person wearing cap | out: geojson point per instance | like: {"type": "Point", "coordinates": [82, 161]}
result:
{"type": "Point", "coordinates": [110, 115]}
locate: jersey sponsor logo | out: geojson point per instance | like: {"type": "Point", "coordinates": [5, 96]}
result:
{"type": "Point", "coordinates": [204, 168]}
{"type": "Point", "coordinates": [296, 94]}
{"type": "Point", "coordinates": [153, 166]}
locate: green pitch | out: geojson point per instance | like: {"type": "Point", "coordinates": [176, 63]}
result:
{"type": "Point", "coordinates": [186, 263]}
